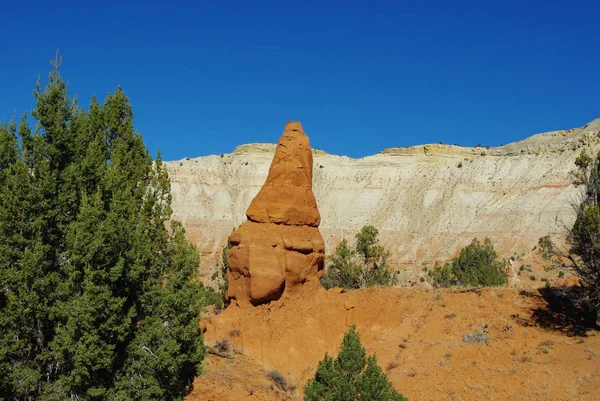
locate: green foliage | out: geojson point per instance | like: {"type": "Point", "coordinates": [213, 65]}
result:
{"type": "Point", "coordinates": [477, 265]}
{"type": "Point", "coordinates": [546, 247]}
{"type": "Point", "coordinates": [443, 276]}
{"type": "Point", "coordinates": [584, 236]}
{"type": "Point", "coordinates": [343, 271]}
{"type": "Point", "coordinates": [583, 172]}
{"type": "Point", "coordinates": [218, 296]}
{"type": "Point", "coordinates": [351, 376]}
{"type": "Point", "coordinates": [365, 265]}
{"type": "Point", "coordinates": [98, 300]}
{"type": "Point", "coordinates": [583, 161]}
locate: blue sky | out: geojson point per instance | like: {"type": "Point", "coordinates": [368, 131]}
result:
{"type": "Point", "coordinates": [206, 76]}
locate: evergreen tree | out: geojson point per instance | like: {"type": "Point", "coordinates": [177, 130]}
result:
{"type": "Point", "coordinates": [98, 300]}
{"type": "Point", "coordinates": [477, 265]}
{"type": "Point", "coordinates": [584, 236]}
{"type": "Point", "coordinates": [343, 271]}
{"type": "Point", "coordinates": [365, 265]}
{"type": "Point", "coordinates": [346, 378]}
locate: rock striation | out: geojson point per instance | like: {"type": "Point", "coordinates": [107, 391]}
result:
{"type": "Point", "coordinates": [427, 201]}
{"type": "Point", "coordinates": [279, 249]}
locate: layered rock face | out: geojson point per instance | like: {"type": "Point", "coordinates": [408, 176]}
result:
{"type": "Point", "coordinates": [427, 201]}
{"type": "Point", "coordinates": [279, 249]}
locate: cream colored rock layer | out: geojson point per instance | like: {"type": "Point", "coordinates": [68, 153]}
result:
{"type": "Point", "coordinates": [427, 201]}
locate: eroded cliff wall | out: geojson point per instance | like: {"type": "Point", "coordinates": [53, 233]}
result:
{"type": "Point", "coordinates": [427, 201]}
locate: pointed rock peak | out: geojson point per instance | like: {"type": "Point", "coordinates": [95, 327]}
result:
{"type": "Point", "coordinates": [293, 126]}
{"type": "Point", "coordinates": [286, 197]}
{"type": "Point", "coordinates": [279, 250]}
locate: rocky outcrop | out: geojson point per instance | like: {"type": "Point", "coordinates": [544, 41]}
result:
{"type": "Point", "coordinates": [279, 249]}
{"type": "Point", "coordinates": [427, 201]}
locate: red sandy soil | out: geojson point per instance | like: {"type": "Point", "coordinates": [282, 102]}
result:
{"type": "Point", "coordinates": [538, 348]}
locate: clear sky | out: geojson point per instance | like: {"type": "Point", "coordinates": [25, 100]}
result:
{"type": "Point", "coordinates": [361, 76]}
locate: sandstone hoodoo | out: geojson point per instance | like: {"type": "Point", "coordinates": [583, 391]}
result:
{"type": "Point", "coordinates": [279, 249]}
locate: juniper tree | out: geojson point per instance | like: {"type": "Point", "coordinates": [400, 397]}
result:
{"type": "Point", "coordinates": [98, 299]}
{"type": "Point", "coordinates": [584, 236]}
{"type": "Point", "coordinates": [361, 266]}
{"type": "Point", "coordinates": [477, 265]}
{"type": "Point", "coordinates": [351, 376]}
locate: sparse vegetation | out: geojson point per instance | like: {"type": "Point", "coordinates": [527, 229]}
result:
{"type": "Point", "coordinates": [350, 376]}
{"type": "Point", "coordinates": [546, 247]}
{"type": "Point", "coordinates": [217, 293]}
{"type": "Point", "coordinates": [391, 366]}
{"type": "Point", "coordinates": [278, 378]}
{"type": "Point", "coordinates": [222, 345]}
{"type": "Point", "coordinates": [477, 337]}
{"type": "Point", "coordinates": [476, 266]}
{"type": "Point", "coordinates": [364, 265]}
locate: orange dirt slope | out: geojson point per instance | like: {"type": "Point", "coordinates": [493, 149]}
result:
{"type": "Point", "coordinates": [535, 351]}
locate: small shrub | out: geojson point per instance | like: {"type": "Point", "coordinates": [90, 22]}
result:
{"type": "Point", "coordinates": [442, 276]}
{"type": "Point", "coordinates": [350, 376]}
{"type": "Point", "coordinates": [532, 277]}
{"type": "Point", "coordinates": [525, 358]}
{"type": "Point", "coordinates": [360, 266]}
{"type": "Point", "coordinates": [459, 165]}
{"type": "Point", "coordinates": [476, 266]}
{"type": "Point", "coordinates": [546, 247]}
{"type": "Point", "coordinates": [549, 268]}
{"type": "Point", "coordinates": [583, 161]}
{"type": "Point", "coordinates": [561, 274]}
{"type": "Point", "coordinates": [222, 345]}
{"type": "Point", "coordinates": [278, 378]}
{"type": "Point", "coordinates": [392, 365]}
{"type": "Point", "coordinates": [477, 337]}
{"type": "Point", "coordinates": [217, 295]}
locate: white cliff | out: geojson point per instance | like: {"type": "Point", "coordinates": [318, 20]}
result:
{"type": "Point", "coordinates": [427, 201]}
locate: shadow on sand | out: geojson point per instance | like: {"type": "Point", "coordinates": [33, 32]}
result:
{"type": "Point", "coordinates": [563, 313]}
